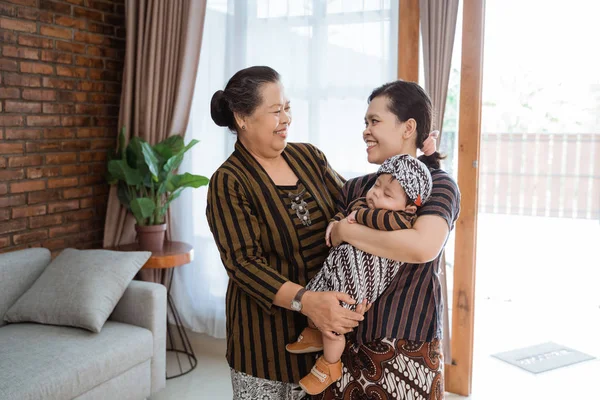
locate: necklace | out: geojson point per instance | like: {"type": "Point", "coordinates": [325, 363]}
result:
{"type": "Point", "coordinates": [299, 205]}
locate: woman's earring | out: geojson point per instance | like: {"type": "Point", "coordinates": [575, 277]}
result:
{"type": "Point", "coordinates": [243, 127]}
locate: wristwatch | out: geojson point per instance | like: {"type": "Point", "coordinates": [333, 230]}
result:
{"type": "Point", "coordinates": [297, 301]}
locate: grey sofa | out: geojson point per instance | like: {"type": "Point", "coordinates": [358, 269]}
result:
{"type": "Point", "coordinates": [126, 360]}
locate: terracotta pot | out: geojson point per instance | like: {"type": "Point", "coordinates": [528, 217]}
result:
{"type": "Point", "coordinates": [152, 237]}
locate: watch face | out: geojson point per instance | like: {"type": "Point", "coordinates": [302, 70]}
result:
{"type": "Point", "coordinates": [296, 306]}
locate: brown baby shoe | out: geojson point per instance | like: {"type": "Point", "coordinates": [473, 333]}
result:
{"type": "Point", "coordinates": [321, 376]}
{"type": "Point", "coordinates": [309, 341]}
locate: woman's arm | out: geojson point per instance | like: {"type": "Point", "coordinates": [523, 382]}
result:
{"type": "Point", "coordinates": [418, 245]}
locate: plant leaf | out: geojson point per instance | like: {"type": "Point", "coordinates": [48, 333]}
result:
{"type": "Point", "coordinates": [172, 196]}
{"type": "Point", "coordinates": [151, 159]}
{"type": "Point", "coordinates": [142, 208]}
{"type": "Point", "coordinates": [119, 170]}
{"type": "Point", "coordinates": [185, 180]}
{"type": "Point", "coordinates": [124, 196]}
{"type": "Point", "coordinates": [169, 147]}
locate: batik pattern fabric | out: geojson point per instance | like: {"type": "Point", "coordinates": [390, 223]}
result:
{"type": "Point", "coordinates": [246, 387]}
{"type": "Point", "coordinates": [390, 369]}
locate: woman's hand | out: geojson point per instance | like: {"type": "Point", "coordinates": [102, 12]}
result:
{"type": "Point", "coordinates": [324, 309]}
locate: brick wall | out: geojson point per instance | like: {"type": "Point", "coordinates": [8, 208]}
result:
{"type": "Point", "coordinates": [60, 71]}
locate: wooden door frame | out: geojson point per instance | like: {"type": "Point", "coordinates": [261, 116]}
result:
{"type": "Point", "coordinates": [459, 372]}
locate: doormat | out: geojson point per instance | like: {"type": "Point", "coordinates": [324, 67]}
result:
{"type": "Point", "coordinates": [543, 357]}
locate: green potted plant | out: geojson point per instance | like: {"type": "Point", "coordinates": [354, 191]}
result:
{"type": "Point", "coordinates": [148, 182]}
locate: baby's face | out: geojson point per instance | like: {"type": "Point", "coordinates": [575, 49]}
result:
{"type": "Point", "coordinates": [387, 194]}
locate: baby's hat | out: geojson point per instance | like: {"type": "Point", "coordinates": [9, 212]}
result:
{"type": "Point", "coordinates": [413, 175]}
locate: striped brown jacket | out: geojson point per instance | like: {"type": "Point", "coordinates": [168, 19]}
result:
{"type": "Point", "coordinates": [261, 250]}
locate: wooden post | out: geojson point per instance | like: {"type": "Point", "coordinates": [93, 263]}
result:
{"type": "Point", "coordinates": [408, 40]}
{"type": "Point", "coordinates": [459, 374]}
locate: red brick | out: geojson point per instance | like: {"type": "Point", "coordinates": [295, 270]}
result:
{"type": "Point", "coordinates": [76, 2]}
{"type": "Point", "coordinates": [20, 52]}
{"type": "Point", "coordinates": [78, 192]}
{"type": "Point", "coordinates": [104, 98]}
{"type": "Point", "coordinates": [69, 22]}
{"type": "Point", "coordinates": [25, 161]}
{"type": "Point", "coordinates": [4, 241]}
{"type": "Point", "coordinates": [13, 174]}
{"type": "Point", "coordinates": [62, 158]}
{"type": "Point", "coordinates": [18, 25]}
{"type": "Point", "coordinates": [101, 28]}
{"type": "Point", "coordinates": [35, 173]}
{"type": "Point", "coordinates": [21, 80]}
{"type": "Point", "coordinates": [76, 121]}
{"type": "Point", "coordinates": [53, 108]}
{"type": "Point", "coordinates": [42, 146]}
{"type": "Point", "coordinates": [91, 179]}
{"type": "Point", "coordinates": [30, 3]}
{"type": "Point", "coordinates": [11, 148]}
{"type": "Point", "coordinates": [23, 107]}
{"type": "Point", "coordinates": [4, 214]}
{"type": "Point", "coordinates": [87, 14]}
{"type": "Point", "coordinates": [56, 83]}
{"type": "Point", "coordinates": [43, 197]}
{"type": "Point", "coordinates": [72, 97]}
{"type": "Point", "coordinates": [89, 62]}
{"type": "Point", "coordinates": [10, 93]}
{"type": "Point", "coordinates": [3, 188]}
{"type": "Point", "coordinates": [8, 37]}
{"type": "Point", "coordinates": [36, 68]}
{"type": "Point", "coordinates": [71, 71]}
{"type": "Point", "coordinates": [33, 14]}
{"type": "Point", "coordinates": [55, 6]}
{"type": "Point", "coordinates": [54, 56]}
{"type": "Point", "coordinates": [103, 144]}
{"type": "Point", "coordinates": [13, 226]}
{"type": "Point", "coordinates": [75, 145]}
{"type": "Point", "coordinates": [9, 201]}
{"type": "Point", "coordinates": [80, 215]}
{"type": "Point", "coordinates": [70, 47]}
{"type": "Point", "coordinates": [102, 52]}
{"type": "Point", "coordinates": [27, 186]}
{"type": "Point", "coordinates": [63, 206]}
{"type": "Point", "coordinates": [100, 5]}
{"type": "Point", "coordinates": [63, 182]}
{"type": "Point", "coordinates": [59, 133]}
{"type": "Point", "coordinates": [91, 86]}
{"type": "Point", "coordinates": [8, 10]}
{"type": "Point", "coordinates": [92, 156]}
{"type": "Point", "coordinates": [33, 41]}
{"type": "Point", "coordinates": [104, 75]}
{"type": "Point", "coordinates": [8, 65]}
{"type": "Point", "coordinates": [44, 221]}
{"type": "Point", "coordinates": [90, 38]}
{"type": "Point", "coordinates": [53, 31]}
{"type": "Point", "coordinates": [22, 134]}
{"type": "Point", "coordinates": [31, 211]}
{"type": "Point", "coordinates": [69, 170]}
{"type": "Point", "coordinates": [55, 244]}
{"type": "Point", "coordinates": [29, 237]}
{"type": "Point", "coordinates": [108, 122]}
{"type": "Point", "coordinates": [91, 133]}
{"type": "Point", "coordinates": [88, 202]}
{"type": "Point", "coordinates": [39, 94]}
{"type": "Point", "coordinates": [63, 230]}
{"type": "Point", "coordinates": [43, 120]}
{"type": "Point", "coordinates": [11, 120]}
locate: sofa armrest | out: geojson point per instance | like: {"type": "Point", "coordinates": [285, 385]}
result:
{"type": "Point", "coordinates": [144, 304]}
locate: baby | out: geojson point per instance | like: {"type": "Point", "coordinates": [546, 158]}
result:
{"type": "Point", "coordinates": [403, 184]}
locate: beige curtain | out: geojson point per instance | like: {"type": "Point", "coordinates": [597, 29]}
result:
{"type": "Point", "coordinates": [438, 26]}
{"type": "Point", "coordinates": [161, 62]}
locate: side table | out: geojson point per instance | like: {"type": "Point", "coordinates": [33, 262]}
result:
{"type": "Point", "coordinates": [174, 254]}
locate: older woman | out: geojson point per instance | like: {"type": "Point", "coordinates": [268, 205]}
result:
{"type": "Point", "coordinates": [268, 209]}
{"type": "Point", "coordinates": [396, 353]}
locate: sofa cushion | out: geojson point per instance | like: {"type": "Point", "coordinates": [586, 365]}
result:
{"type": "Point", "coordinates": [18, 271]}
{"type": "Point", "coordinates": [52, 362]}
{"type": "Point", "coordinates": [79, 288]}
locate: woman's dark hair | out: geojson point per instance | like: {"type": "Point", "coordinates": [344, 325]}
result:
{"type": "Point", "coordinates": [408, 100]}
{"type": "Point", "coordinates": [241, 95]}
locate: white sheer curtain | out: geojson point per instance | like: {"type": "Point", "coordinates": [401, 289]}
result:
{"type": "Point", "coordinates": [330, 54]}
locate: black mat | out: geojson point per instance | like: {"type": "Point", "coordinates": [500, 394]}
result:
{"type": "Point", "coordinates": [543, 357]}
